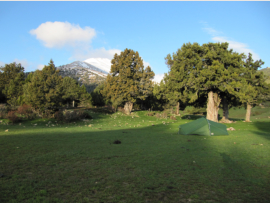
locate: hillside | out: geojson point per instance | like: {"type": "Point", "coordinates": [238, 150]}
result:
{"type": "Point", "coordinates": [90, 72]}
{"type": "Point", "coordinates": [266, 71]}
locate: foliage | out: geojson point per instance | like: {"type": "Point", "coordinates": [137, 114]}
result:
{"type": "Point", "coordinates": [12, 116]}
{"type": "Point", "coordinates": [266, 72]}
{"type": "Point", "coordinates": [85, 97]}
{"type": "Point", "coordinates": [97, 99]}
{"type": "Point", "coordinates": [128, 80]}
{"type": "Point", "coordinates": [70, 116]}
{"type": "Point", "coordinates": [3, 110]}
{"type": "Point", "coordinates": [194, 110]}
{"type": "Point", "coordinates": [44, 90]}
{"type": "Point", "coordinates": [11, 81]}
{"type": "Point", "coordinates": [195, 72]}
{"type": "Point", "coordinates": [26, 111]}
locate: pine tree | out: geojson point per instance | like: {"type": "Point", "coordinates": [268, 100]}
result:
{"type": "Point", "coordinates": [252, 89]}
{"type": "Point", "coordinates": [70, 90]}
{"type": "Point", "coordinates": [11, 72]}
{"type": "Point", "coordinates": [14, 90]}
{"type": "Point", "coordinates": [44, 90]}
{"type": "Point", "coordinates": [127, 80]}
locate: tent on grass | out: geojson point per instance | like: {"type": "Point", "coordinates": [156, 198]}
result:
{"type": "Point", "coordinates": [202, 126]}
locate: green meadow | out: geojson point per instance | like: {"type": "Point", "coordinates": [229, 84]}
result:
{"type": "Point", "coordinates": [47, 161]}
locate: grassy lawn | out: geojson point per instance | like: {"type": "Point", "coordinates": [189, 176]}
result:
{"type": "Point", "coordinates": [47, 161]}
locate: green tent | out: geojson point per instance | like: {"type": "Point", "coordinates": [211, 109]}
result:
{"type": "Point", "coordinates": [202, 126]}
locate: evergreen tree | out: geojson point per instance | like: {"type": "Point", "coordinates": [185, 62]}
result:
{"type": "Point", "coordinates": [84, 96]}
{"type": "Point", "coordinates": [10, 72]}
{"type": "Point", "coordinates": [14, 90]}
{"type": "Point", "coordinates": [70, 90]}
{"type": "Point", "coordinates": [97, 99]}
{"type": "Point", "coordinates": [44, 90]}
{"type": "Point", "coordinates": [127, 80]}
{"type": "Point", "coordinates": [197, 71]}
{"type": "Point", "coordinates": [252, 89]}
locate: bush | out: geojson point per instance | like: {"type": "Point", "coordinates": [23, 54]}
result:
{"type": "Point", "coordinates": [59, 116]}
{"type": "Point", "coordinates": [150, 114]}
{"type": "Point", "coordinates": [121, 109]}
{"type": "Point", "coordinates": [69, 116]}
{"type": "Point", "coordinates": [3, 111]}
{"type": "Point", "coordinates": [48, 114]}
{"type": "Point", "coordinates": [13, 117]}
{"type": "Point", "coordinates": [26, 110]}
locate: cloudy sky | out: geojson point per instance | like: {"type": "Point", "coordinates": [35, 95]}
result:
{"type": "Point", "coordinates": [32, 33]}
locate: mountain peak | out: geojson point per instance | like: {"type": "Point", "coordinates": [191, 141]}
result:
{"type": "Point", "coordinates": [101, 63]}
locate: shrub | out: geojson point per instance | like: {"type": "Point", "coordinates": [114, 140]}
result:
{"type": "Point", "coordinates": [121, 109]}
{"type": "Point", "coordinates": [26, 110]}
{"type": "Point", "coordinates": [150, 114]}
{"type": "Point", "coordinates": [59, 116]}
{"type": "Point", "coordinates": [48, 114]}
{"type": "Point", "coordinates": [84, 114]}
{"type": "Point", "coordinates": [69, 116]}
{"type": "Point", "coordinates": [13, 117]}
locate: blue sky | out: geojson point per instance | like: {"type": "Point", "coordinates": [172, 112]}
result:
{"type": "Point", "coordinates": [32, 33]}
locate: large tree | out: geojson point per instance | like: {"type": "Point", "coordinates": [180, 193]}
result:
{"type": "Point", "coordinates": [196, 71]}
{"type": "Point", "coordinates": [128, 80]}
{"type": "Point", "coordinates": [44, 90]}
{"type": "Point", "coordinates": [252, 89]}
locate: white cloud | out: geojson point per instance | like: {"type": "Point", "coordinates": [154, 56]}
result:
{"type": "Point", "coordinates": [59, 34]}
{"type": "Point", "coordinates": [2, 63]}
{"type": "Point", "coordinates": [236, 46]}
{"type": "Point", "coordinates": [40, 67]}
{"type": "Point", "coordinates": [83, 54]}
{"type": "Point", "coordinates": [146, 64]}
{"type": "Point", "coordinates": [158, 77]}
{"type": "Point", "coordinates": [23, 62]}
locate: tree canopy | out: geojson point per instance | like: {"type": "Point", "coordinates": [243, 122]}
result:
{"type": "Point", "coordinates": [128, 80]}
{"type": "Point", "coordinates": [44, 90]}
{"type": "Point", "coordinates": [197, 72]}
{"type": "Point", "coordinates": [11, 81]}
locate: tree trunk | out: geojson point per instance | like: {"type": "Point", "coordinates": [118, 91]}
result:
{"type": "Point", "coordinates": [177, 108]}
{"type": "Point", "coordinates": [128, 107]}
{"type": "Point", "coordinates": [213, 106]}
{"type": "Point", "coordinates": [248, 112]}
{"type": "Point", "coordinates": [225, 118]}
{"type": "Point", "coordinates": [73, 103]}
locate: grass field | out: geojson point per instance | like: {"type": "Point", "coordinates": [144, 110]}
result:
{"type": "Point", "coordinates": [47, 161]}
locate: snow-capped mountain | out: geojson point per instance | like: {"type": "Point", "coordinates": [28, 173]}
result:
{"type": "Point", "coordinates": [101, 63]}
{"type": "Point", "coordinates": [90, 72]}
{"type": "Point", "coordinates": [80, 68]}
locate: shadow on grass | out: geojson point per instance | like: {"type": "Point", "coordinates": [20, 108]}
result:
{"type": "Point", "coordinates": [151, 164]}
{"type": "Point", "coordinates": [263, 127]}
{"type": "Point", "coordinates": [192, 117]}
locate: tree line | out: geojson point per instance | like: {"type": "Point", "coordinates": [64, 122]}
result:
{"type": "Point", "coordinates": [43, 89]}
{"type": "Point", "coordinates": [209, 76]}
